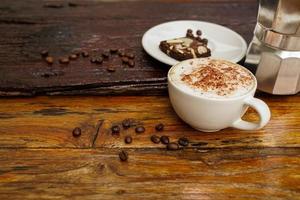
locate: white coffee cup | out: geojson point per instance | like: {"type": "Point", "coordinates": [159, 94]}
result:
{"type": "Point", "coordinates": [213, 114]}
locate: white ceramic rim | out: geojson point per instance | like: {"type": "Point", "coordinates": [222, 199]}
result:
{"type": "Point", "coordinates": [209, 98]}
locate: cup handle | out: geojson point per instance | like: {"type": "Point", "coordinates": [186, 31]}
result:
{"type": "Point", "coordinates": [262, 110]}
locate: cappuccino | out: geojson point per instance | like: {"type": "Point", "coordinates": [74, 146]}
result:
{"type": "Point", "coordinates": [212, 78]}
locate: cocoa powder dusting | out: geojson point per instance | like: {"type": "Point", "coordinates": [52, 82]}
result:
{"type": "Point", "coordinates": [220, 77]}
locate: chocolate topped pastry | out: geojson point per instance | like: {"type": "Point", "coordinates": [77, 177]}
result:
{"type": "Point", "coordinates": [186, 47]}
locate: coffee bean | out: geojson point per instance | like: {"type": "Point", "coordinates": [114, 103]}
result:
{"type": "Point", "coordinates": [115, 129]}
{"type": "Point", "coordinates": [50, 73]}
{"type": "Point", "coordinates": [53, 5]}
{"type": "Point", "coordinates": [128, 139]}
{"type": "Point", "coordinates": [93, 59]}
{"type": "Point", "coordinates": [72, 4]}
{"type": "Point", "coordinates": [99, 60]}
{"type": "Point", "coordinates": [46, 75]}
{"type": "Point", "coordinates": [85, 54]}
{"type": "Point", "coordinates": [172, 146]}
{"type": "Point", "coordinates": [199, 32]}
{"type": "Point", "coordinates": [130, 55]}
{"type": "Point", "coordinates": [125, 59]}
{"type": "Point", "coordinates": [131, 63]}
{"type": "Point", "coordinates": [76, 51]}
{"type": "Point", "coordinates": [155, 139]}
{"type": "Point", "coordinates": [123, 156]}
{"type": "Point", "coordinates": [64, 60]}
{"type": "Point", "coordinates": [44, 53]}
{"type": "Point", "coordinates": [159, 127]}
{"type": "Point", "coordinates": [76, 132]}
{"type": "Point", "coordinates": [113, 50]}
{"type": "Point", "coordinates": [164, 139]}
{"type": "Point", "coordinates": [121, 53]}
{"type": "Point", "coordinates": [126, 123]}
{"type": "Point", "coordinates": [140, 129]}
{"type": "Point", "coordinates": [111, 69]}
{"type": "Point", "coordinates": [183, 141]}
{"type": "Point", "coordinates": [73, 57]}
{"type": "Point", "coordinates": [49, 60]}
{"type": "Point", "coordinates": [105, 54]}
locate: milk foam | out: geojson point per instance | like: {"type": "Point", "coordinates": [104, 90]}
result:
{"type": "Point", "coordinates": [212, 78]}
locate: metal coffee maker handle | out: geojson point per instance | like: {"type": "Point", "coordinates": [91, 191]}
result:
{"type": "Point", "coordinates": [274, 53]}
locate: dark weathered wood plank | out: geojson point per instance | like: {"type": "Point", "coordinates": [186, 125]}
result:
{"type": "Point", "coordinates": [28, 27]}
{"type": "Point", "coordinates": [233, 173]}
{"type": "Point", "coordinates": [48, 122]}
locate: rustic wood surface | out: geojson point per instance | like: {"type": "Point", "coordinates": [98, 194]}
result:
{"type": "Point", "coordinates": [40, 159]}
{"type": "Point", "coordinates": [27, 27]}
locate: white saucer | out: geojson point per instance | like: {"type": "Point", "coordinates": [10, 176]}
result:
{"type": "Point", "coordinates": [223, 42]}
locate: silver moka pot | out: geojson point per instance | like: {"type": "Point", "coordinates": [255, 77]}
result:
{"type": "Point", "coordinates": [274, 53]}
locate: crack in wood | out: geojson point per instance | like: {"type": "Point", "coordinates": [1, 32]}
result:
{"type": "Point", "coordinates": [99, 125]}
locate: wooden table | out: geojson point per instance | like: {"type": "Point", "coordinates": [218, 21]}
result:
{"type": "Point", "coordinates": [40, 159]}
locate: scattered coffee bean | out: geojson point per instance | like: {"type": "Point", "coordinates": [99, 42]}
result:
{"type": "Point", "coordinates": [125, 59]}
{"type": "Point", "coordinates": [113, 50]}
{"type": "Point", "coordinates": [123, 156]}
{"type": "Point", "coordinates": [44, 53]}
{"type": "Point", "coordinates": [50, 73]}
{"type": "Point", "coordinates": [172, 146]}
{"type": "Point", "coordinates": [131, 63]}
{"type": "Point", "coordinates": [130, 55]}
{"type": "Point", "coordinates": [111, 68]}
{"type": "Point", "coordinates": [164, 139]}
{"type": "Point", "coordinates": [121, 53]}
{"type": "Point", "coordinates": [115, 129]}
{"type": "Point", "coordinates": [64, 60]}
{"type": "Point", "coordinates": [93, 59]}
{"type": "Point", "coordinates": [159, 127]}
{"type": "Point", "coordinates": [183, 141]}
{"type": "Point", "coordinates": [85, 54]}
{"type": "Point", "coordinates": [76, 132]}
{"type": "Point", "coordinates": [49, 60]}
{"type": "Point", "coordinates": [199, 32]}
{"type": "Point", "coordinates": [46, 74]}
{"type": "Point", "coordinates": [126, 123]}
{"type": "Point", "coordinates": [76, 51]}
{"type": "Point", "coordinates": [155, 139]}
{"type": "Point", "coordinates": [99, 60]}
{"type": "Point", "coordinates": [128, 139]}
{"type": "Point", "coordinates": [105, 54]}
{"type": "Point", "coordinates": [73, 56]}
{"type": "Point", "coordinates": [53, 5]}
{"type": "Point", "coordinates": [140, 129]}
{"type": "Point", "coordinates": [72, 4]}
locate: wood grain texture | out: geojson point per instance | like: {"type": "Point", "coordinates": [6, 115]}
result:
{"type": "Point", "coordinates": [27, 27]}
{"type": "Point", "coordinates": [49, 121]}
{"type": "Point", "coordinates": [98, 174]}
{"type": "Point", "coordinates": [39, 158]}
